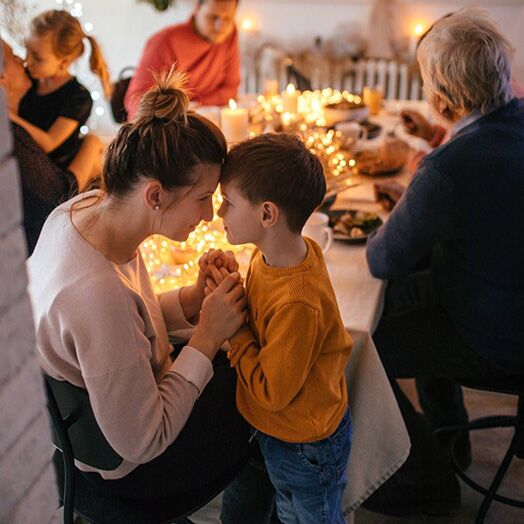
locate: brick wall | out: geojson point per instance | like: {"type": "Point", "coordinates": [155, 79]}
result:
{"type": "Point", "coordinates": [27, 484]}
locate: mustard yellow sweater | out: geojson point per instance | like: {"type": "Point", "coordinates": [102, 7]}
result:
{"type": "Point", "coordinates": [291, 358]}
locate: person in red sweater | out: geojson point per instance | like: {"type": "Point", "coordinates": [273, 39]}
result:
{"type": "Point", "coordinates": [206, 47]}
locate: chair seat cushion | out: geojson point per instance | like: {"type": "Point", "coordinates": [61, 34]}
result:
{"type": "Point", "coordinates": [509, 385]}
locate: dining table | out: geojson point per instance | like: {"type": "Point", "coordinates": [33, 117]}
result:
{"type": "Point", "coordinates": [380, 440]}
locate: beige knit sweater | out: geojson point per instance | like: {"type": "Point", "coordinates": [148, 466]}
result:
{"type": "Point", "coordinates": [100, 326]}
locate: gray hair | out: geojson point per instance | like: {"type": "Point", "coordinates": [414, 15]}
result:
{"type": "Point", "coordinates": [467, 61]}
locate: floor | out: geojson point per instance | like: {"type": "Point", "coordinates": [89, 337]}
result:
{"type": "Point", "coordinates": [488, 449]}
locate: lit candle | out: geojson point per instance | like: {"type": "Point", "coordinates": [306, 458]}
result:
{"type": "Point", "coordinates": [290, 99]}
{"type": "Point", "coordinates": [235, 122]}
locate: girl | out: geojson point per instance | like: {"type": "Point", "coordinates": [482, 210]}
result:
{"type": "Point", "coordinates": [57, 105]}
{"type": "Point", "coordinates": [101, 327]}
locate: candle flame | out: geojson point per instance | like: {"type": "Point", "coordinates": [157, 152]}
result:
{"type": "Point", "coordinates": [232, 104]}
{"type": "Point", "coordinates": [290, 89]}
{"type": "Point", "coordinates": [419, 29]}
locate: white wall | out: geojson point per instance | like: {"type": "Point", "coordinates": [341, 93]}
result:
{"type": "Point", "coordinates": [123, 26]}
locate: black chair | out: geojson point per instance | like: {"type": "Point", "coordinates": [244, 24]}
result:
{"type": "Point", "coordinates": [120, 87]}
{"type": "Point", "coordinates": [511, 386]}
{"type": "Point", "coordinates": [77, 435]}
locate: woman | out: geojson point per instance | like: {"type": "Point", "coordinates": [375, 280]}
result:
{"type": "Point", "coordinates": [100, 326]}
{"type": "Point", "coordinates": [461, 319]}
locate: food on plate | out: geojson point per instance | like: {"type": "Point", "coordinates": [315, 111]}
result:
{"type": "Point", "coordinates": [390, 156]}
{"type": "Point", "coordinates": [345, 105]}
{"type": "Point", "coordinates": [354, 224]}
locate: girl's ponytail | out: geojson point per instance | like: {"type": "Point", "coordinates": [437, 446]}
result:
{"type": "Point", "coordinates": [68, 41]}
{"type": "Point", "coordinates": [99, 67]}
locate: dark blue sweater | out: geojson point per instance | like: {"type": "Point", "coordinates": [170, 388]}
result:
{"type": "Point", "coordinates": [465, 204]}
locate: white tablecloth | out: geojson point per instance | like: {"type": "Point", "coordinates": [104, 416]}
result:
{"type": "Point", "coordinates": [380, 440]}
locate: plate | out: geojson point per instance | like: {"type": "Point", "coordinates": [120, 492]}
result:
{"type": "Point", "coordinates": [353, 225]}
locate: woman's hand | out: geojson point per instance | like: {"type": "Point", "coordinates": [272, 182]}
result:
{"type": "Point", "coordinates": [192, 297]}
{"type": "Point", "coordinates": [223, 312]}
{"type": "Point", "coordinates": [415, 124]}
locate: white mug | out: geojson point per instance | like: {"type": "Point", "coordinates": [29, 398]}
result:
{"type": "Point", "coordinates": [352, 131]}
{"type": "Point", "coordinates": [317, 229]}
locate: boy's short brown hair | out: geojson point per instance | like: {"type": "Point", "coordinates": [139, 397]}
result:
{"type": "Point", "coordinates": [277, 167]}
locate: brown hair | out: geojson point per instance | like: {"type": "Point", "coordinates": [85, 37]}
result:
{"type": "Point", "coordinates": [278, 167]}
{"type": "Point", "coordinates": [163, 142]}
{"type": "Point", "coordinates": [67, 41]}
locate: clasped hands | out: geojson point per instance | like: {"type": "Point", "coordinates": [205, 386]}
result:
{"type": "Point", "coordinates": [224, 308]}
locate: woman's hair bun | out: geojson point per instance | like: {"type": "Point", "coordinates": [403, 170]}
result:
{"type": "Point", "coordinates": [167, 99]}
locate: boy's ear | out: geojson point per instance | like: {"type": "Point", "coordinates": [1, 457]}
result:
{"type": "Point", "coordinates": [269, 214]}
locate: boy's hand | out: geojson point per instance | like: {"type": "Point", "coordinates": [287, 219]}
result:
{"type": "Point", "coordinates": [216, 264]}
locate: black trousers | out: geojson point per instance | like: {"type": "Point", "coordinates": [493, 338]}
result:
{"type": "Point", "coordinates": [214, 439]}
{"type": "Point", "coordinates": [415, 338]}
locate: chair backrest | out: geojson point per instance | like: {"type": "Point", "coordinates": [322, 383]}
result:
{"type": "Point", "coordinates": [120, 87]}
{"type": "Point", "coordinates": [72, 417]}
{"type": "Point", "coordinates": [296, 77]}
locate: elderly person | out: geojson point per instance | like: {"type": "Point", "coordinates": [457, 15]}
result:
{"type": "Point", "coordinates": [462, 318]}
{"type": "Point", "coordinates": [206, 47]}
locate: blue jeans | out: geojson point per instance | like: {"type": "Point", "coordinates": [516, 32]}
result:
{"type": "Point", "coordinates": [309, 478]}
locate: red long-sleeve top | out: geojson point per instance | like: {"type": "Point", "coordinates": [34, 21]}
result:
{"type": "Point", "coordinates": [214, 69]}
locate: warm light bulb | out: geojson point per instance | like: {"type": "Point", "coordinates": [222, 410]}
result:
{"type": "Point", "coordinates": [247, 24]}
{"type": "Point", "coordinates": [290, 89]}
{"type": "Point", "coordinates": [232, 104]}
{"type": "Point", "coordinates": [419, 29]}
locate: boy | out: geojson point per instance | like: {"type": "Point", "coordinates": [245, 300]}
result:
{"type": "Point", "coordinates": [291, 356]}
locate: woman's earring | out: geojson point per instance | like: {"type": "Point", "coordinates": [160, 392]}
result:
{"type": "Point", "coordinates": [157, 207]}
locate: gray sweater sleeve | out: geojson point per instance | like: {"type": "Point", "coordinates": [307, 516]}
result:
{"type": "Point", "coordinates": [421, 218]}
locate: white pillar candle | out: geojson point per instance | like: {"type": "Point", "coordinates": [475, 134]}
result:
{"type": "Point", "coordinates": [234, 122]}
{"type": "Point", "coordinates": [290, 99]}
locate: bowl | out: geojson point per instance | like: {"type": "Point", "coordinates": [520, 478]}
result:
{"type": "Point", "coordinates": [345, 111]}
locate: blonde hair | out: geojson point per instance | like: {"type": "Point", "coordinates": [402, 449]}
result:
{"type": "Point", "coordinates": [164, 142]}
{"type": "Point", "coordinates": [467, 61]}
{"type": "Point", "coordinates": [68, 42]}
